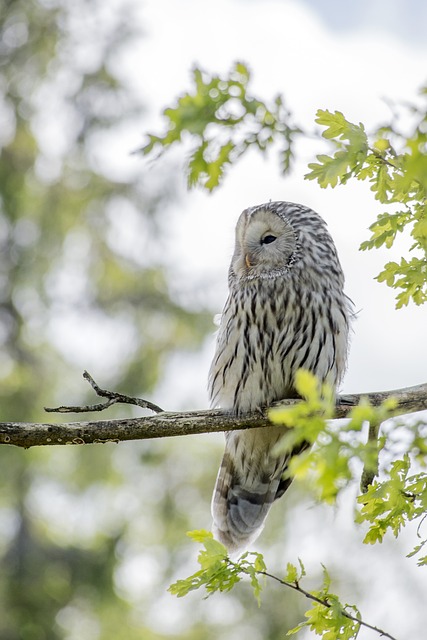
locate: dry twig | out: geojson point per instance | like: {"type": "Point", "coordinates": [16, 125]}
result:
{"type": "Point", "coordinates": [112, 398]}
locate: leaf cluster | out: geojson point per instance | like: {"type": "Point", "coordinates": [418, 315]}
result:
{"type": "Point", "coordinates": [223, 120]}
{"type": "Point", "coordinates": [217, 572]}
{"type": "Point", "coordinates": [395, 165]}
{"type": "Point", "coordinates": [390, 504]}
{"type": "Point", "coordinates": [328, 617]}
{"type": "Point", "coordinates": [327, 464]}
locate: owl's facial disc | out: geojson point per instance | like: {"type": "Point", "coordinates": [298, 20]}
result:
{"type": "Point", "coordinates": [265, 244]}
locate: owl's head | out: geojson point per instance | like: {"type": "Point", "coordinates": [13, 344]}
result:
{"type": "Point", "coordinates": [266, 244]}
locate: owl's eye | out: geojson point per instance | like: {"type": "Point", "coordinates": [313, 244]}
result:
{"type": "Point", "coordinates": [268, 239]}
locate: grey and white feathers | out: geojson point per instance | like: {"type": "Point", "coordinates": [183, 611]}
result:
{"type": "Point", "coordinates": [286, 310]}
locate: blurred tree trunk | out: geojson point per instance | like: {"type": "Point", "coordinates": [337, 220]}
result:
{"type": "Point", "coordinates": [65, 270]}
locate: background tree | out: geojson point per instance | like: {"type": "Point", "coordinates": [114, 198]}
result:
{"type": "Point", "coordinates": [77, 255]}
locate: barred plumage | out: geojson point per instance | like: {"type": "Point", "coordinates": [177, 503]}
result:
{"type": "Point", "coordinates": [286, 310]}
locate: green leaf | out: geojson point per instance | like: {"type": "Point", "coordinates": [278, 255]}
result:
{"type": "Point", "coordinates": [291, 573]}
{"type": "Point", "coordinates": [307, 385]}
{"type": "Point", "coordinates": [338, 127]}
{"type": "Point", "coordinates": [381, 145]}
{"type": "Point", "coordinates": [200, 535]}
{"type": "Point", "coordinates": [348, 159]}
{"type": "Point", "coordinates": [388, 505]}
{"type": "Point", "coordinates": [329, 170]}
{"type": "Point", "coordinates": [382, 184]}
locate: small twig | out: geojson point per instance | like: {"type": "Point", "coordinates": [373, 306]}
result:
{"type": "Point", "coordinates": [420, 524]}
{"type": "Point", "coordinates": [378, 155]}
{"type": "Point", "coordinates": [370, 469]}
{"type": "Point", "coordinates": [295, 586]}
{"type": "Point", "coordinates": [112, 398]}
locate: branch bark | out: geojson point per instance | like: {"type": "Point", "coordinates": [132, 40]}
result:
{"type": "Point", "coordinates": [168, 423]}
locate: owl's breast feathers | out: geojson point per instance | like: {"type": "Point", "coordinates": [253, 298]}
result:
{"type": "Point", "coordinates": [269, 329]}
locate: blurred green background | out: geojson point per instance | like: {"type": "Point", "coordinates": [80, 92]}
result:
{"type": "Point", "coordinates": [90, 537]}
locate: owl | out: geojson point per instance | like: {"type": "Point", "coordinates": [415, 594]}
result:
{"type": "Point", "coordinates": [286, 310]}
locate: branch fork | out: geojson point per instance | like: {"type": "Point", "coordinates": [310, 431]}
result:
{"type": "Point", "coordinates": [112, 398]}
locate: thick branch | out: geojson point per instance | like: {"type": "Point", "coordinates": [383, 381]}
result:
{"type": "Point", "coordinates": [168, 424]}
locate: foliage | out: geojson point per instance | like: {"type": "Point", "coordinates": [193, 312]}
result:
{"type": "Point", "coordinates": [224, 120]}
{"type": "Point", "coordinates": [329, 466]}
{"type": "Point", "coordinates": [396, 167]}
{"type": "Point", "coordinates": [328, 617]}
{"type": "Point", "coordinates": [391, 503]}
{"type": "Point", "coordinates": [217, 571]}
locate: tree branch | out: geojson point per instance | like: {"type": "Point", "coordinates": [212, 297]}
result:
{"type": "Point", "coordinates": [168, 423]}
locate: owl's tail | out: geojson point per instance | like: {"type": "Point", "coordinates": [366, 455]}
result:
{"type": "Point", "coordinates": [250, 478]}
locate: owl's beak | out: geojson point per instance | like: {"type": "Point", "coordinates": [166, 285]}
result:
{"type": "Point", "coordinates": [247, 261]}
